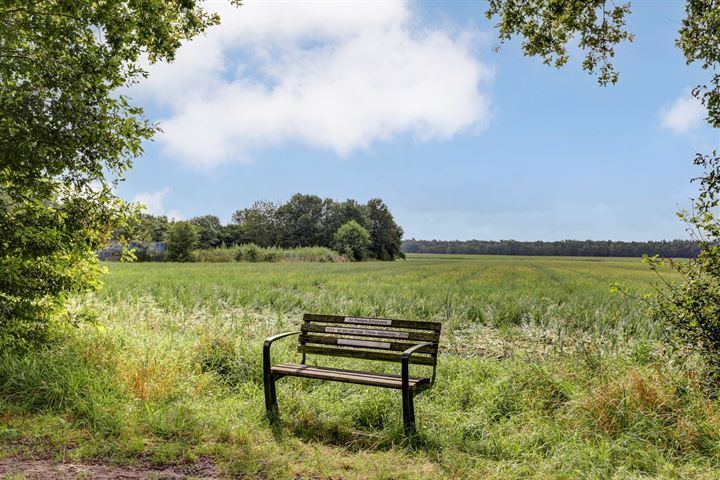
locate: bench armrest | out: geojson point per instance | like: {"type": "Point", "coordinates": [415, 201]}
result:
{"type": "Point", "coordinates": [405, 363]}
{"type": "Point", "coordinates": [266, 348]}
{"type": "Point", "coordinates": [270, 340]}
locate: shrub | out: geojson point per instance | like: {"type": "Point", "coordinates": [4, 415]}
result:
{"type": "Point", "coordinates": [352, 240]}
{"type": "Point", "coordinates": [248, 253]}
{"type": "Point", "coordinates": [270, 255]}
{"type": "Point", "coordinates": [692, 307]}
{"type": "Point", "coordinates": [181, 239]}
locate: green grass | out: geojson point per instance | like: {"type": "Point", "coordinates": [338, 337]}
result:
{"type": "Point", "coordinates": [543, 374]}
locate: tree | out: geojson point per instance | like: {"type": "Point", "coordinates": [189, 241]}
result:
{"type": "Point", "coordinates": [308, 220]}
{"type": "Point", "coordinates": [182, 238]}
{"type": "Point", "coordinates": [547, 26]}
{"type": "Point", "coordinates": [231, 234]}
{"type": "Point", "coordinates": [352, 240]}
{"type": "Point", "coordinates": [336, 214]}
{"type": "Point", "coordinates": [300, 221]}
{"type": "Point", "coordinates": [148, 228]}
{"type": "Point", "coordinates": [386, 235]}
{"type": "Point", "coordinates": [209, 229]}
{"type": "Point", "coordinates": [259, 223]}
{"type": "Point", "coordinates": [692, 307]}
{"type": "Point", "coordinates": [66, 136]}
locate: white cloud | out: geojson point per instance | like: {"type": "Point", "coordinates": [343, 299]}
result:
{"type": "Point", "coordinates": [154, 203]}
{"type": "Point", "coordinates": [325, 74]}
{"type": "Point", "coordinates": [684, 115]}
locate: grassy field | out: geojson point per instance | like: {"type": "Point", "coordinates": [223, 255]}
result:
{"type": "Point", "coordinates": [543, 373]}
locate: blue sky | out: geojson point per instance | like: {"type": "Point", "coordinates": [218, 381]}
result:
{"type": "Point", "coordinates": [407, 101]}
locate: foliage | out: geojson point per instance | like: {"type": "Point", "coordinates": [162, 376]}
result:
{"type": "Point", "coordinates": [248, 252]}
{"type": "Point", "coordinates": [152, 228]}
{"type": "Point", "coordinates": [338, 214]}
{"type": "Point", "coordinates": [259, 223]}
{"type": "Point", "coordinates": [142, 227]}
{"type": "Point", "coordinates": [308, 221]}
{"type": "Point", "coordinates": [66, 136]}
{"type": "Point", "coordinates": [581, 248]}
{"type": "Point", "coordinates": [181, 240]}
{"type": "Point", "coordinates": [700, 42]}
{"type": "Point", "coordinates": [300, 221]}
{"type": "Point", "coordinates": [353, 241]}
{"type": "Point", "coordinates": [232, 234]}
{"type": "Point", "coordinates": [47, 254]}
{"type": "Point", "coordinates": [209, 230]}
{"type": "Point", "coordinates": [386, 235]}
{"type": "Point", "coordinates": [547, 26]}
{"type": "Point", "coordinates": [692, 307]}
{"type": "Point", "coordinates": [543, 374]}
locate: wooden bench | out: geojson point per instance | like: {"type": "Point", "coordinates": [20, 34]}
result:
{"type": "Point", "coordinates": [389, 340]}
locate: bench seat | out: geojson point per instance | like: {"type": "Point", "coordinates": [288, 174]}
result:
{"type": "Point", "coordinates": [348, 376]}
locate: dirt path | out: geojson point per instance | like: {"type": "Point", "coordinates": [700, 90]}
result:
{"type": "Point", "coordinates": [16, 468]}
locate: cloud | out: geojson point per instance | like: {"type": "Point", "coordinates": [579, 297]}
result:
{"type": "Point", "coordinates": [684, 115]}
{"type": "Point", "coordinates": [317, 73]}
{"type": "Point", "coordinates": [154, 203]}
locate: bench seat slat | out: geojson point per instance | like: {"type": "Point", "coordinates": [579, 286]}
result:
{"type": "Point", "coordinates": [379, 344]}
{"type": "Point", "coordinates": [361, 331]}
{"type": "Point", "coordinates": [371, 321]}
{"type": "Point", "coordinates": [365, 354]}
{"type": "Point", "coordinates": [347, 376]}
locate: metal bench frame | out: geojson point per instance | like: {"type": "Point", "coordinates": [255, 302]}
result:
{"type": "Point", "coordinates": [342, 327]}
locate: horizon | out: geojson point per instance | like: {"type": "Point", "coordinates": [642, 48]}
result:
{"type": "Point", "coordinates": [303, 102]}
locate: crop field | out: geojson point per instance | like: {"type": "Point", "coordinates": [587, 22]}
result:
{"type": "Point", "coordinates": [543, 373]}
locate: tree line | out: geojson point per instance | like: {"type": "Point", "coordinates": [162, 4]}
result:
{"type": "Point", "coordinates": [581, 248]}
{"type": "Point", "coordinates": [356, 230]}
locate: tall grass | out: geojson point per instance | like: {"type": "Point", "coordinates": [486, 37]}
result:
{"type": "Point", "coordinates": [543, 373]}
{"type": "Point", "coordinates": [253, 253]}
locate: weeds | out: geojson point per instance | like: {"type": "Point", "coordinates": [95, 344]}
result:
{"type": "Point", "coordinates": [252, 253]}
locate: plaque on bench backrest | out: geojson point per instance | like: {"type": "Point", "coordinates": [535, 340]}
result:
{"type": "Point", "coordinates": [368, 321]}
{"type": "Point", "coordinates": [367, 332]}
{"type": "Point", "coordinates": [362, 343]}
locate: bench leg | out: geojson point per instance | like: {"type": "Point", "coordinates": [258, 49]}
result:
{"type": "Point", "coordinates": [271, 398]}
{"type": "Point", "coordinates": [408, 411]}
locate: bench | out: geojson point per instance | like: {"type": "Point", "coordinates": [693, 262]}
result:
{"type": "Point", "coordinates": [399, 341]}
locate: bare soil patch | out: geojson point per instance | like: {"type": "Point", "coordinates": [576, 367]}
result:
{"type": "Point", "coordinates": [35, 469]}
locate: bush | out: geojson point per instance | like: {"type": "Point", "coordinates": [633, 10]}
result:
{"type": "Point", "coordinates": [692, 307]}
{"type": "Point", "coordinates": [352, 240]}
{"type": "Point", "coordinates": [271, 255]}
{"type": "Point", "coordinates": [149, 253]}
{"type": "Point", "coordinates": [248, 253]}
{"type": "Point", "coordinates": [181, 239]}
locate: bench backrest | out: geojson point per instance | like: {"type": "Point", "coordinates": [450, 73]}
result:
{"type": "Point", "coordinates": [368, 338]}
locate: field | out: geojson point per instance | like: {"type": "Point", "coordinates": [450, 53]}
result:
{"type": "Point", "coordinates": [543, 373]}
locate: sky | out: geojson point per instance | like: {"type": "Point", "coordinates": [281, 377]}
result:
{"type": "Point", "coordinates": [411, 102]}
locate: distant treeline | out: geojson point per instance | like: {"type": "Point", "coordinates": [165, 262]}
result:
{"type": "Point", "coordinates": [302, 221]}
{"type": "Point", "coordinates": [580, 248]}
